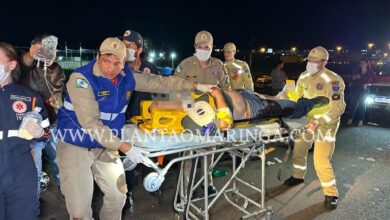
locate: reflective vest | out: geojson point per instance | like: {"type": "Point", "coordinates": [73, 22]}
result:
{"type": "Point", "coordinates": [112, 101]}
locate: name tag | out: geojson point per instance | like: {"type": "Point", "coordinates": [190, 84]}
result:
{"type": "Point", "coordinates": [20, 98]}
{"type": "Point", "coordinates": [104, 93]}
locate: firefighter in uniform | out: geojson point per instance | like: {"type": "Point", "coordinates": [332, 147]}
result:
{"type": "Point", "coordinates": [89, 128]}
{"type": "Point", "coordinates": [239, 73]}
{"type": "Point", "coordinates": [18, 175]}
{"type": "Point", "coordinates": [323, 124]}
{"type": "Point", "coordinates": [201, 67]}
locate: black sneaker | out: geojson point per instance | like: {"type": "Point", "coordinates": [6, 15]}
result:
{"type": "Point", "coordinates": [292, 181]}
{"type": "Point", "coordinates": [331, 202]}
{"type": "Point", "coordinates": [319, 101]}
{"type": "Point", "coordinates": [211, 190]}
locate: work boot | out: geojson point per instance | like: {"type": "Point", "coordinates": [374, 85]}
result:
{"type": "Point", "coordinates": [292, 181]}
{"type": "Point", "coordinates": [319, 101]}
{"type": "Point", "coordinates": [331, 202]}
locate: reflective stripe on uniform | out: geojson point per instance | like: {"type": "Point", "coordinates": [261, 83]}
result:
{"type": "Point", "coordinates": [236, 65]}
{"type": "Point", "coordinates": [68, 106]}
{"type": "Point", "coordinates": [325, 77]}
{"type": "Point", "coordinates": [103, 115]}
{"type": "Point", "coordinates": [328, 184]}
{"type": "Point", "coordinates": [299, 167]}
{"type": "Point", "coordinates": [330, 138]}
{"type": "Point", "coordinates": [326, 117]}
{"type": "Point", "coordinates": [13, 133]}
{"type": "Point", "coordinates": [305, 75]}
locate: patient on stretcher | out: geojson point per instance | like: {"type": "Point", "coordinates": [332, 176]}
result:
{"type": "Point", "coordinates": [228, 106]}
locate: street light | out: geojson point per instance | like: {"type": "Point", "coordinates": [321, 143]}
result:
{"type": "Point", "coordinates": [161, 55]}
{"type": "Point", "coordinates": [385, 54]}
{"type": "Point", "coordinates": [262, 50]}
{"type": "Point", "coordinates": [293, 49]}
{"type": "Point", "coordinates": [339, 48]}
{"type": "Point", "coordinates": [370, 45]}
{"type": "Point", "coordinates": [173, 56]}
{"type": "Point", "coordinates": [152, 54]}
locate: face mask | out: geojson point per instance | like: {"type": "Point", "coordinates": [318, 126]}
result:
{"type": "Point", "coordinates": [312, 67]}
{"type": "Point", "coordinates": [203, 55]}
{"type": "Point", "coordinates": [4, 74]}
{"type": "Point", "coordinates": [130, 54]}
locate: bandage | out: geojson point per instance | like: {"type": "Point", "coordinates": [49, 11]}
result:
{"type": "Point", "coordinates": [225, 114]}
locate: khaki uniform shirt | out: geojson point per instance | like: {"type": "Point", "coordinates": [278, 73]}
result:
{"type": "Point", "coordinates": [239, 74]}
{"type": "Point", "coordinates": [325, 83]}
{"type": "Point", "coordinates": [87, 108]}
{"type": "Point", "coordinates": [214, 74]}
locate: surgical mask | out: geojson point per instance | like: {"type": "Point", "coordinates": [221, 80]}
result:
{"type": "Point", "coordinates": [4, 74]}
{"type": "Point", "coordinates": [203, 55]}
{"type": "Point", "coordinates": [312, 67]}
{"type": "Point", "coordinates": [130, 54]}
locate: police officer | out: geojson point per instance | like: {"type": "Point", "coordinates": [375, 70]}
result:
{"type": "Point", "coordinates": [201, 67]}
{"type": "Point", "coordinates": [239, 73]}
{"type": "Point", "coordinates": [18, 175]}
{"type": "Point", "coordinates": [323, 124]}
{"type": "Point", "coordinates": [89, 129]}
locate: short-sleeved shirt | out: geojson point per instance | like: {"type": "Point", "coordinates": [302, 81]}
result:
{"type": "Point", "coordinates": [136, 98]}
{"type": "Point", "coordinates": [214, 74]}
{"type": "Point", "coordinates": [239, 74]}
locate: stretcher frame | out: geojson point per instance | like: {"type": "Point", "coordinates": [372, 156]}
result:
{"type": "Point", "coordinates": [185, 203]}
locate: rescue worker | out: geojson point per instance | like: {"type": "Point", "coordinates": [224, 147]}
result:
{"type": "Point", "coordinates": [89, 129]}
{"type": "Point", "coordinates": [239, 73]}
{"type": "Point", "coordinates": [134, 45]}
{"type": "Point", "coordinates": [203, 68]}
{"type": "Point", "coordinates": [323, 124]}
{"type": "Point", "coordinates": [18, 175]}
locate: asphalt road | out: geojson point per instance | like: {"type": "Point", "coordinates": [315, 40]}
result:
{"type": "Point", "coordinates": [361, 163]}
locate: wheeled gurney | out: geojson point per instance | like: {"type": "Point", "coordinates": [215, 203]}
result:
{"type": "Point", "coordinates": [243, 140]}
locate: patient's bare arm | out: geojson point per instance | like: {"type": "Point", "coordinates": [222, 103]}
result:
{"type": "Point", "coordinates": [221, 104]}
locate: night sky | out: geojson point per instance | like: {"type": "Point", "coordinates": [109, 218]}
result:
{"type": "Point", "coordinates": [173, 24]}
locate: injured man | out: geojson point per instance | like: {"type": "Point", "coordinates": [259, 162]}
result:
{"type": "Point", "coordinates": [221, 107]}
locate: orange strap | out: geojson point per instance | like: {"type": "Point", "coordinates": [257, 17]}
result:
{"type": "Point", "coordinates": [34, 100]}
{"type": "Point", "coordinates": [160, 160]}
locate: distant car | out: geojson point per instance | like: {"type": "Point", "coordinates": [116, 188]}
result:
{"type": "Point", "coordinates": [263, 84]}
{"type": "Point", "coordinates": [378, 99]}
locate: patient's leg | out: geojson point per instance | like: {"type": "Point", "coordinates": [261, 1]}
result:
{"type": "Point", "coordinates": [291, 109]}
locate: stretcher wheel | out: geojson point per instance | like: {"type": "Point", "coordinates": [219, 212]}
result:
{"type": "Point", "coordinates": [153, 181]}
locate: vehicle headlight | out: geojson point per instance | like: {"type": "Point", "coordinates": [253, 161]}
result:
{"type": "Point", "coordinates": [369, 100]}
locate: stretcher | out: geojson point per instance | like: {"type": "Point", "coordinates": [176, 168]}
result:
{"type": "Point", "coordinates": [242, 141]}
